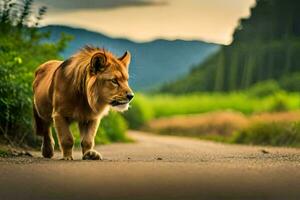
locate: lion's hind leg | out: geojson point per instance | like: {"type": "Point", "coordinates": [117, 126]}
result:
{"type": "Point", "coordinates": [42, 128]}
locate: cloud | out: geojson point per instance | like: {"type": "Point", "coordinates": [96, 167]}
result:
{"type": "Point", "coordinates": [96, 4]}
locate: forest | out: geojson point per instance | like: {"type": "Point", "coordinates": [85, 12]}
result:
{"type": "Point", "coordinates": [265, 46]}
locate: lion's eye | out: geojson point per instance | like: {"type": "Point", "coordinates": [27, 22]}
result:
{"type": "Point", "coordinates": [114, 81]}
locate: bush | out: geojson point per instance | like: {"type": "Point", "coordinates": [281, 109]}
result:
{"type": "Point", "coordinates": [15, 101]}
{"type": "Point", "coordinates": [275, 134]}
{"type": "Point", "coordinates": [280, 103]}
{"type": "Point", "coordinates": [139, 113]}
{"type": "Point", "coordinates": [21, 50]}
{"type": "Point", "coordinates": [113, 127]}
{"type": "Point", "coordinates": [291, 82]}
{"type": "Point", "coordinates": [263, 89]}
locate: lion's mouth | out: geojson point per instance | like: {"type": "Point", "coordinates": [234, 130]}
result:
{"type": "Point", "coordinates": [117, 103]}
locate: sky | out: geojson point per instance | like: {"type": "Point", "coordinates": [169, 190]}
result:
{"type": "Point", "coordinates": [146, 20]}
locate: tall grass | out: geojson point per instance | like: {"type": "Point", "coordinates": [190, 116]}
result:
{"type": "Point", "coordinates": [274, 134]}
{"type": "Point", "coordinates": [275, 129]}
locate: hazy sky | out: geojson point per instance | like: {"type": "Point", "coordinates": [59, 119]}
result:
{"type": "Point", "coordinates": [144, 20]}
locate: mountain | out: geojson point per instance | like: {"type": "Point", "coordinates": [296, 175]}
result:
{"type": "Point", "coordinates": [265, 46]}
{"type": "Point", "coordinates": [153, 63]}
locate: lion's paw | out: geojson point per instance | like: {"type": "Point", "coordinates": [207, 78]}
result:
{"type": "Point", "coordinates": [92, 155]}
{"type": "Point", "coordinates": [47, 150]}
{"type": "Point", "coordinates": [67, 158]}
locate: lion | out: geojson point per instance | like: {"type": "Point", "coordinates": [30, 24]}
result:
{"type": "Point", "coordinates": [80, 89]}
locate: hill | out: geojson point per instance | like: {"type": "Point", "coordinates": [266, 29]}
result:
{"type": "Point", "coordinates": [153, 63]}
{"type": "Point", "coordinates": [265, 46]}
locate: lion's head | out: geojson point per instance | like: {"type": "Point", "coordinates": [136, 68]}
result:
{"type": "Point", "coordinates": [107, 81]}
{"type": "Point", "coordinates": [101, 77]}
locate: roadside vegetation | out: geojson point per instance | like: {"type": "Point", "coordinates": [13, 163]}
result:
{"type": "Point", "coordinates": [277, 129]}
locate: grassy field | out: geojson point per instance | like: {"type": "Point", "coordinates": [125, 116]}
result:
{"type": "Point", "coordinates": [164, 105]}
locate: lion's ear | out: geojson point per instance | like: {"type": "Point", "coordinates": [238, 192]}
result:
{"type": "Point", "coordinates": [125, 58]}
{"type": "Point", "coordinates": [98, 63]}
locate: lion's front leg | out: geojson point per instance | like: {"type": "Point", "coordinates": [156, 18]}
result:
{"type": "Point", "coordinates": [64, 136]}
{"type": "Point", "coordinates": [88, 132]}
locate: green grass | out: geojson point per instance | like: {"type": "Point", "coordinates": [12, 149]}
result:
{"type": "Point", "coordinates": [3, 153]}
{"type": "Point", "coordinates": [165, 105]}
{"type": "Point", "coordinates": [5, 150]}
{"type": "Point", "coordinates": [139, 113]}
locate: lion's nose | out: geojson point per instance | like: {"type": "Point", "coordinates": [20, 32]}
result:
{"type": "Point", "coordinates": [129, 96]}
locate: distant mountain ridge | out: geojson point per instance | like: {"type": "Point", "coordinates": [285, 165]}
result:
{"type": "Point", "coordinates": [153, 63]}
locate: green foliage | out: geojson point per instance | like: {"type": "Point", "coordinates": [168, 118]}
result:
{"type": "Point", "coordinates": [139, 113]}
{"type": "Point", "coordinates": [260, 51]}
{"type": "Point", "coordinates": [21, 51]}
{"type": "Point", "coordinates": [280, 102]}
{"type": "Point", "coordinates": [165, 105]}
{"type": "Point", "coordinates": [114, 127]}
{"type": "Point", "coordinates": [291, 82]}
{"type": "Point", "coordinates": [3, 153]}
{"type": "Point", "coordinates": [264, 88]}
{"type": "Point", "coordinates": [275, 134]}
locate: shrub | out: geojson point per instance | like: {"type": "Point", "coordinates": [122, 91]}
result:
{"type": "Point", "coordinates": [15, 104]}
{"type": "Point", "coordinates": [21, 50]}
{"type": "Point", "coordinates": [139, 113]}
{"type": "Point", "coordinates": [291, 82]}
{"type": "Point", "coordinates": [263, 89]}
{"type": "Point", "coordinates": [275, 134]}
{"type": "Point", "coordinates": [280, 102]}
{"type": "Point", "coordinates": [113, 127]}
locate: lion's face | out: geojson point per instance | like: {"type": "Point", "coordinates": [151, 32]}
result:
{"type": "Point", "coordinates": [108, 81]}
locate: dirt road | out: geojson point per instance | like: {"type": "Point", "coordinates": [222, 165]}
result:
{"type": "Point", "coordinates": [157, 167]}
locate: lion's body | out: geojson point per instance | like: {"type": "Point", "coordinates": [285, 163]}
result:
{"type": "Point", "coordinates": [66, 91]}
{"type": "Point", "coordinates": [43, 88]}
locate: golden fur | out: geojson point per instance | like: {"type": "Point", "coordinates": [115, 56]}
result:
{"type": "Point", "coordinates": [81, 88]}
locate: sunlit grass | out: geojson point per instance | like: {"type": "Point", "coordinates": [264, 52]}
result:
{"type": "Point", "coordinates": [165, 105]}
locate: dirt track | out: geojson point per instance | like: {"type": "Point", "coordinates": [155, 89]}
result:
{"type": "Point", "coordinates": [157, 167]}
